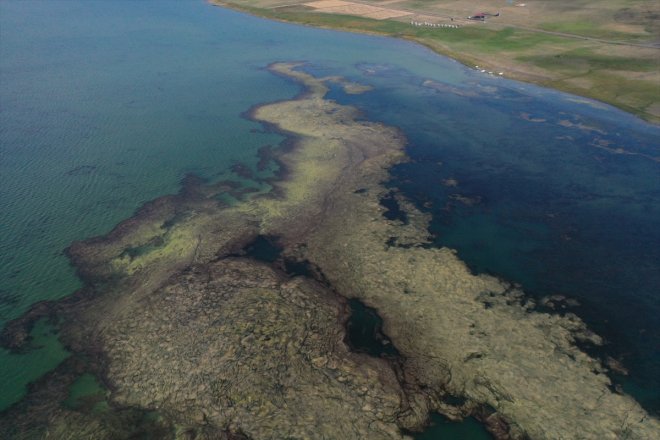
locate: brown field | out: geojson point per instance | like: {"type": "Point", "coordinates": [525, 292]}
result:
{"type": "Point", "coordinates": [356, 9]}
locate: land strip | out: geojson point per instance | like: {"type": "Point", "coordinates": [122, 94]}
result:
{"type": "Point", "coordinates": [398, 11]}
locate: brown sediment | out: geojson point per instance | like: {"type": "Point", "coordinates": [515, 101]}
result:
{"type": "Point", "coordinates": [225, 346]}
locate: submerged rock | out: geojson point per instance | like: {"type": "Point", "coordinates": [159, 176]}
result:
{"type": "Point", "coordinates": [233, 343]}
{"type": "Point", "coordinates": [230, 347]}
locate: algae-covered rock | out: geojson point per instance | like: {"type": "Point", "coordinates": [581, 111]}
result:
{"type": "Point", "coordinates": [179, 320]}
{"type": "Point", "coordinates": [234, 344]}
{"type": "Point", "coordinates": [467, 334]}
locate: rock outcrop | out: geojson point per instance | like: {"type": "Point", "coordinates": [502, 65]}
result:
{"type": "Point", "coordinates": [179, 321]}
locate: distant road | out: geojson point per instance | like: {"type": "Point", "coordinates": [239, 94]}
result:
{"type": "Point", "coordinates": [655, 45]}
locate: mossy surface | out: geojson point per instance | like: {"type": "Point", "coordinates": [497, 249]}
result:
{"type": "Point", "coordinates": [224, 345]}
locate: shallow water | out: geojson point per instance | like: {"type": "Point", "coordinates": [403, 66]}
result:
{"type": "Point", "coordinates": [442, 429]}
{"type": "Point", "coordinates": [106, 105]}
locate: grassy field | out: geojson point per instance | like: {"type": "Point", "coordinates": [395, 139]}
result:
{"type": "Point", "coordinates": [607, 49]}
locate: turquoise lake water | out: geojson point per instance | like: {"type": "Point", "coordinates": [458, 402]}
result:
{"type": "Point", "coordinates": [106, 105]}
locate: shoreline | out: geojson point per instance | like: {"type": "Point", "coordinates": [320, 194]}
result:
{"type": "Point", "coordinates": [520, 72]}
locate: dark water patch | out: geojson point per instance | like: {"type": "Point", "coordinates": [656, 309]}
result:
{"type": "Point", "coordinates": [137, 251]}
{"type": "Point", "coordinates": [267, 156]}
{"type": "Point", "coordinates": [364, 331]}
{"type": "Point", "coordinates": [298, 268]}
{"type": "Point", "coordinates": [441, 428]}
{"type": "Point", "coordinates": [242, 170]}
{"type": "Point", "coordinates": [494, 423]}
{"type": "Point", "coordinates": [229, 195]}
{"type": "Point", "coordinates": [263, 248]}
{"type": "Point", "coordinates": [305, 268]}
{"type": "Point", "coordinates": [40, 351]}
{"type": "Point", "coordinates": [192, 185]}
{"type": "Point", "coordinates": [177, 218]}
{"type": "Point", "coordinates": [454, 400]}
{"type": "Point", "coordinates": [337, 89]}
{"type": "Point", "coordinates": [394, 242]}
{"type": "Point", "coordinates": [393, 211]}
{"type": "Point", "coordinates": [85, 392]}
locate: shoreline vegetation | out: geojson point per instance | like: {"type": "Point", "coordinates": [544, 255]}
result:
{"type": "Point", "coordinates": [193, 335]}
{"type": "Point", "coordinates": [609, 52]}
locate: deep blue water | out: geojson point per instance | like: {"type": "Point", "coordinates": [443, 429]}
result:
{"type": "Point", "coordinates": [105, 105]}
{"type": "Point", "coordinates": [517, 182]}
